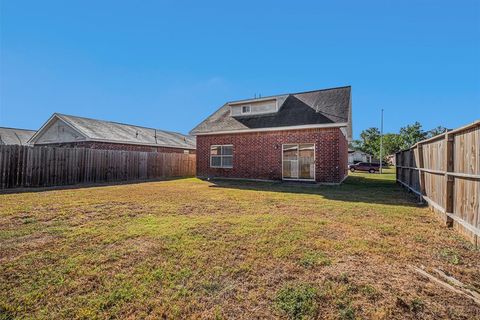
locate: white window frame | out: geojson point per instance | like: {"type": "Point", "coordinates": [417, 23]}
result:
{"type": "Point", "coordinates": [221, 156]}
{"type": "Point", "coordinates": [249, 109]}
{"type": "Point", "coordinates": [314, 162]}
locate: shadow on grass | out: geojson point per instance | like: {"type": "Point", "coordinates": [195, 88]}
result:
{"type": "Point", "coordinates": [85, 185]}
{"type": "Point", "coordinates": [355, 188]}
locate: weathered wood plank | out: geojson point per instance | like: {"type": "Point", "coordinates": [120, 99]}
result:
{"type": "Point", "coordinates": [450, 182]}
{"type": "Point", "coordinates": [22, 166]}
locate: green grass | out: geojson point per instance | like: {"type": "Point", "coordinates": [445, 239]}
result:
{"type": "Point", "coordinates": [228, 250]}
{"type": "Point", "coordinates": [298, 302]}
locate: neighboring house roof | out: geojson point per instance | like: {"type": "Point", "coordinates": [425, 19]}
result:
{"type": "Point", "coordinates": [114, 132]}
{"type": "Point", "coordinates": [14, 136]}
{"type": "Point", "coordinates": [326, 107]}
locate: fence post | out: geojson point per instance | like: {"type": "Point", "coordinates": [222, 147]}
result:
{"type": "Point", "coordinates": [3, 153]}
{"type": "Point", "coordinates": [449, 180]}
{"type": "Point", "coordinates": [411, 158]}
{"type": "Point", "coordinates": [421, 173]}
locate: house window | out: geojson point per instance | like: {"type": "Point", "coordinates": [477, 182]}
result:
{"type": "Point", "coordinates": [221, 156]}
{"type": "Point", "coordinates": [246, 109]}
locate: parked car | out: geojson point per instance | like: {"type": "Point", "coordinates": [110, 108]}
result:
{"type": "Point", "coordinates": [365, 166]}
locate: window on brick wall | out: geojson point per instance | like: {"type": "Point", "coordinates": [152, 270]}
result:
{"type": "Point", "coordinates": [221, 156]}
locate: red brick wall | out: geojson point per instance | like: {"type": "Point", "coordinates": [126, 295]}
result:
{"type": "Point", "coordinates": [118, 146]}
{"type": "Point", "coordinates": [258, 155]}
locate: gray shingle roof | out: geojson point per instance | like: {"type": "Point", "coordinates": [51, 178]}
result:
{"type": "Point", "coordinates": [326, 106]}
{"type": "Point", "coordinates": [14, 136]}
{"type": "Point", "coordinates": [100, 130]}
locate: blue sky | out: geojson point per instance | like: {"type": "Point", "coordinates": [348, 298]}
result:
{"type": "Point", "coordinates": [169, 64]}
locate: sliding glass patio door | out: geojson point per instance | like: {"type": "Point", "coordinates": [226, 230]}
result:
{"type": "Point", "coordinates": [298, 161]}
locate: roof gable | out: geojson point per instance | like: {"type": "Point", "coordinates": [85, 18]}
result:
{"type": "Point", "coordinates": [114, 132]}
{"type": "Point", "coordinates": [57, 130]}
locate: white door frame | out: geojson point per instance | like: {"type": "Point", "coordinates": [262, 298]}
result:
{"type": "Point", "coordinates": [298, 156]}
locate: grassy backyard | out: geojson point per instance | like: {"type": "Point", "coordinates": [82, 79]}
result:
{"type": "Point", "coordinates": [229, 250]}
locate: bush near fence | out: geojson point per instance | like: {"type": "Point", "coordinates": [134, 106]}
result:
{"type": "Point", "coordinates": [445, 172]}
{"type": "Point", "coordinates": [24, 166]}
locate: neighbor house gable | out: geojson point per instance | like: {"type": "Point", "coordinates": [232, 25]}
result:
{"type": "Point", "coordinates": [56, 130]}
{"type": "Point", "coordinates": [61, 128]}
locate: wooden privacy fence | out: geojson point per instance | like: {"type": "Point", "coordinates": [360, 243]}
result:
{"type": "Point", "coordinates": [22, 166]}
{"type": "Point", "coordinates": [445, 172]}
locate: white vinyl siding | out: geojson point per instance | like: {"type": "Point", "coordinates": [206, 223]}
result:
{"type": "Point", "coordinates": [260, 107]}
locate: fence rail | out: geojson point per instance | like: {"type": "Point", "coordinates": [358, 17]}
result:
{"type": "Point", "coordinates": [445, 172]}
{"type": "Point", "coordinates": [23, 166]}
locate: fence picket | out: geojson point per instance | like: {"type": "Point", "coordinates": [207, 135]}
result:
{"type": "Point", "coordinates": [447, 176]}
{"type": "Point", "coordinates": [25, 166]}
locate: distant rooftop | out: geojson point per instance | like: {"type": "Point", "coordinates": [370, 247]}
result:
{"type": "Point", "coordinates": [15, 136]}
{"type": "Point", "coordinates": [109, 131]}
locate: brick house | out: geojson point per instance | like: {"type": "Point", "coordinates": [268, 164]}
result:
{"type": "Point", "coordinates": [299, 136]}
{"type": "Point", "coordinates": [78, 132]}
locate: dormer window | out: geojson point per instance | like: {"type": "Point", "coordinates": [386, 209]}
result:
{"type": "Point", "coordinates": [253, 107]}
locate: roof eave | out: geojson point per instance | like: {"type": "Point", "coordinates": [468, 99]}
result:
{"type": "Point", "coordinates": [285, 128]}
{"type": "Point", "coordinates": [246, 101]}
{"type": "Point", "coordinates": [142, 143]}
{"type": "Point", "coordinates": [134, 143]}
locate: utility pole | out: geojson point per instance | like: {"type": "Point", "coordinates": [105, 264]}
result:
{"type": "Point", "coordinates": [381, 144]}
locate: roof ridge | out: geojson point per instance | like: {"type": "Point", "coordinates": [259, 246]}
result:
{"type": "Point", "coordinates": [289, 94]}
{"type": "Point", "coordinates": [1, 127]}
{"type": "Point", "coordinates": [326, 89]}
{"type": "Point", "coordinates": [120, 123]}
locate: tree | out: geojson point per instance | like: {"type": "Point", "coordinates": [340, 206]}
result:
{"type": "Point", "coordinates": [411, 134]}
{"type": "Point", "coordinates": [392, 143]}
{"type": "Point", "coordinates": [370, 141]}
{"type": "Point", "coordinates": [355, 145]}
{"type": "Point", "coordinates": [436, 131]}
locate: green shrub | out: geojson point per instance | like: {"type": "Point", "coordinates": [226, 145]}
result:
{"type": "Point", "coordinates": [297, 301]}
